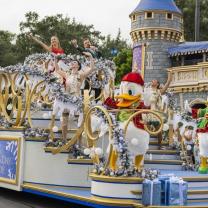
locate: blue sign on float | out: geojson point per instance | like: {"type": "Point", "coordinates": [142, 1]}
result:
{"type": "Point", "coordinates": [8, 160]}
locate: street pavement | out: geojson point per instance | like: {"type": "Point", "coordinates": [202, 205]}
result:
{"type": "Point", "coordinates": [13, 199]}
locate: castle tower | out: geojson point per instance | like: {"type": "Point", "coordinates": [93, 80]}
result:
{"type": "Point", "coordinates": [159, 25]}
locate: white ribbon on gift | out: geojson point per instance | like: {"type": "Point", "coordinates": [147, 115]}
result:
{"type": "Point", "coordinates": [181, 192]}
{"type": "Point", "coordinates": [151, 191]}
{"type": "Point", "coordinates": [180, 182]}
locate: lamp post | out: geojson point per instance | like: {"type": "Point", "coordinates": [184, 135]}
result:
{"type": "Point", "coordinates": [197, 19]}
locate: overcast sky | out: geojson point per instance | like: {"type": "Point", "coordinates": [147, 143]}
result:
{"type": "Point", "coordinates": [106, 15]}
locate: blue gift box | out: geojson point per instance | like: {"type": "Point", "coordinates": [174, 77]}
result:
{"type": "Point", "coordinates": [177, 192]}
{"type": "Point", "coordinates": [173, 190]}
{"type": "Point", "coordinates": [164, 179]}
{"type": "Point", "coordinates": [151, 192]}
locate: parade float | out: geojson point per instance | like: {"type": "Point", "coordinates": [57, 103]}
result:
{"type": "Point", "coordinates": [112, 157]}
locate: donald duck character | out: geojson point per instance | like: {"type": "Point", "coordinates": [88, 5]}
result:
{"type": "Point", "coordinates": [130, 97]}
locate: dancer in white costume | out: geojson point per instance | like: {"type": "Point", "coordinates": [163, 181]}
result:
{"type": "Point", "coordinates": [73, 82]}
{"type": "Point", "coordinates": [155, 97]}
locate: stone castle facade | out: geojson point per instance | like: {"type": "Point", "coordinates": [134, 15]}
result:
{"type": "Point", "coordinates": [158, 24]}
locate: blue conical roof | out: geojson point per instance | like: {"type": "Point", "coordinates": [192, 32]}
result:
{"type": "Point", "coordinates": [151, 5]}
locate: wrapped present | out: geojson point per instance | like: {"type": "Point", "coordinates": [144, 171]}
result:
{"type": "Point", "coordinates": [177, 192]}
{"type": "Point", "coordinates": [164, 179]}
{"type": "Point", "coordinates": [151, 193]}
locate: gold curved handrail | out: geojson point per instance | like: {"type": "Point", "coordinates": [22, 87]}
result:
{"type": "Point", "coordinates": [100, 96]}
{"type": "Point", "coordinates": [87, 124]}
{"type": "Point", "coordinates": [28, 106]}
{"type": "Point", "coordinates": [88, 130]}
{"type": "Point", "coordinates": [140, 112]}
{"type": "Point", "coordinates": [4, 97]}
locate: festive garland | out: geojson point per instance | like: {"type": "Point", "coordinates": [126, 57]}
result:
{"type": "Point", "coordinates": [187, 157]}
{"type": "Point", "coordinates": [35, 132]}
{"type": "Point", "coordinates": [102, 65]}
{"type": "Point", "coordinates": [172, 104]}
{"type": "Point", "coordinates": [31, 68]}
{"type": "Point", "coordinates": [187, 117]}
{"type": "Point", "coordinates": [4, 123]}
{"type": "Point", "coordinates": [31, 59]}
{"type": "Point", "coordinates": [126, 167]}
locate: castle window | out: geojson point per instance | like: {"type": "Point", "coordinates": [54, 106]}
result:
{"type": "Point", "coordinates": [169, 16]}
{"type": "Point", "coordinates": [134, 17]}
{"type": "Point", "coordinates": [149, 15]}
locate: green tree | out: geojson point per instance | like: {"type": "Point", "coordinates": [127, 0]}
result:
{"type": "Point", "coordinates": [8, 55]}
{"type": "Point", "coordinates": [188, 9]}
{"type": "Point", "coordinates": [123, 62]}
{"type": "Point", "coordinates": [111, 46]}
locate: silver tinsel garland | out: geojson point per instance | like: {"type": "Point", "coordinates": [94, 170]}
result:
{"type": "Point", "coordinates": [103, 66]}
{"type": "Point", "coordinates": [126, 166]}
{"type": "Point", "coordinates": [35, 132]}
{"type": "Point", "coordinates": [32, 67]}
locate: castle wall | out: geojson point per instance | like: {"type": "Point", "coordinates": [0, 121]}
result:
{"type": "Point", "coordinates": [159, 20]}
{"type": "Point", "coordinates": [156, 60]}
{"type": "Point", "coordinates": [158, 34]}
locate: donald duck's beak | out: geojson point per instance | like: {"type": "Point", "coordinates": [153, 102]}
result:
{"type": "Point", "coordinates": [127, 100]}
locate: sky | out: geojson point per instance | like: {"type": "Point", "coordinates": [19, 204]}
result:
{"type": "Point", "coordinates": [106, 15]}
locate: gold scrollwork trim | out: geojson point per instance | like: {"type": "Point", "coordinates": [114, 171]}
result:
{"type": "Point", "coordinates": [117, 202]}
{"type": "Point", "coordinates": [129, 180]}
{"type": "Point", "coordinates": [80, 161]}
{"type": "Point", "coordinates": [146, 128]}
{"type": "Point", "coordinates": [196, 179]}
{"type": "Point", "coordinates": [81, 198]}
{"type": "Point", "coordinates": [197, 192]}
{"type": "Point", "coordinates": [88, 130]}
{"type": "Point", "coordinates": [12, 128]}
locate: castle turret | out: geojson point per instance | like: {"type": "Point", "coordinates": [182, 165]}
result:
{"type": "Point", "coordinates": [159, 25]}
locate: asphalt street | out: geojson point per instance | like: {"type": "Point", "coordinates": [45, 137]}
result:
{"type": "Point", "coordinates": [13, 199]}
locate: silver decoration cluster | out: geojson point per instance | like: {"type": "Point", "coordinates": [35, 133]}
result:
{"type": "Point", "coordinates": [37, 57]}
{"type": "Point", "coordinates": [35, 132]}
{"type": "Point", "coordinates": [4, 123]}
{"type": "Point", "coordinates": [102, 65]}
{"type": "Point", "coordinates": [187, 117]}
{"type": "Point", "coordinates": [172, 103]}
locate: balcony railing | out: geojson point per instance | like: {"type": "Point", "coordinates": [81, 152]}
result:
{"type": "Point", "coordinates": [190, 78]}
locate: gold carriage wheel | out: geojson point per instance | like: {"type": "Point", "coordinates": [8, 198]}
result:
{"type": "Point", "coordinates": [88, 130]}
{"type": "Point", "coordinates": [140, 112]}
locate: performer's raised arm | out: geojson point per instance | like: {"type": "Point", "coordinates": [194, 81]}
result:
{"type": "Point", "coordinates": [54, 47]}
{"type": "Point", "coordinates": [167, 84]}
{"type": "Point", "coordinates": [59, 71]}
{"type": "Point", "coordinates": [43, 45]}
{"type": "Point", "coordinates": [90, 69]}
